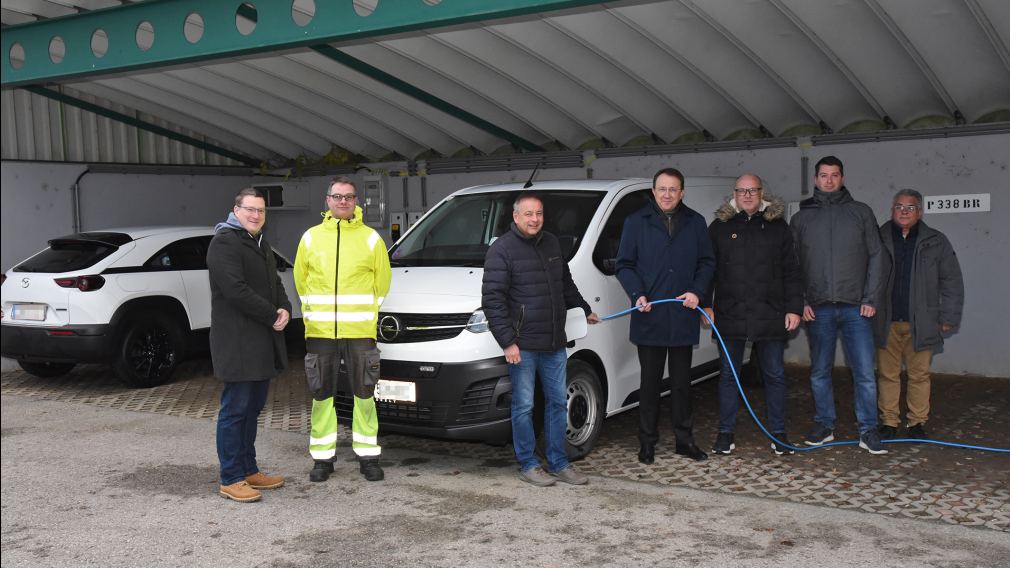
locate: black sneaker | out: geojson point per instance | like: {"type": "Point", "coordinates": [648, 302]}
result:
{"type": "Point", "coordinates": [870, 442]}
{"type": "Point", "coordinates": [723, 444]}
{"type": "Point", "coordinates": [819, 435]}
{"type": "Point", "coordinates": [781, 448]}
{"type": "Point", "coordinates": [918, 432]}
{"type": "Point", "coordinates": [887, 432]}
{"type": "Point", "coordinates": [321, 471]}
{"type": "Point", "coordinates": [371, 470]}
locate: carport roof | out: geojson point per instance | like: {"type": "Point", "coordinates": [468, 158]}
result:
{"type": "Point", "coordinates": [518, 76]}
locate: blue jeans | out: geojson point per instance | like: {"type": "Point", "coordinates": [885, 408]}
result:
{"type": "Point", "coordinates": [773, 371]}
{"type": "Point", "coordinates": [241, 403]}
{"type": "Point", "coordinates": [551, 366]}
{"type": "Point", "coordinates": [857, 341]}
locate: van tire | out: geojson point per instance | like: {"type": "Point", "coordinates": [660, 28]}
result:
{"type": "Point", "coordinates": [584, 396]}
{"type": "Point", "coordinates": [151, 348]}
{"type": "Point", "coordinates": [585, 403]}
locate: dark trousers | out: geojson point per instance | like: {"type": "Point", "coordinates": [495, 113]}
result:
{"type": "Point", "coordinates": [773, 372]}
{"type": "Point", "coordinates": [241, 404]}
{"type": "Point", "coordinates": [652, 360]}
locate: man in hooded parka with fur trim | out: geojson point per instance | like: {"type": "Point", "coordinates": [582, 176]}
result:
{"type": "Point", "coordinates": [757, 296]}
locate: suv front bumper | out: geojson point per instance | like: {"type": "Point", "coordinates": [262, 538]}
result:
{"type": "Point", "coordinates": [73, 344]}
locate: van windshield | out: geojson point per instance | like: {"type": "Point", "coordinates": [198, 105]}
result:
{"type": "Point", "coordinates": [460, 230]}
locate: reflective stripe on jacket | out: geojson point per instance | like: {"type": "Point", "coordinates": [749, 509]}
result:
{"type": "Point", "coordinates": [342, 275]}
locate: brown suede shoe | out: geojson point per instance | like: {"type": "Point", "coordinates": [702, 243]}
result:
{"type": "Point", "coordinates": [260, 480]}
{"type": "Point", "coordinates": [241, 492]}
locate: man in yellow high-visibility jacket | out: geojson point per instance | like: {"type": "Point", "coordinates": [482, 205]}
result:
{"type": "Point", "coordinates": [342, 275]}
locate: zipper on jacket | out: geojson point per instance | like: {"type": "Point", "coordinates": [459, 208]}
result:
{"type": "Point", "coordinates": [336, 285]}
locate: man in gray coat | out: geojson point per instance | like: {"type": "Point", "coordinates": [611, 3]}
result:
{"type": "Point", "coordinates": [838, 244]}
{"type": "Point", "coordinates": [922, 301]}
{"type": "Point", "coordinates": [249, 311]}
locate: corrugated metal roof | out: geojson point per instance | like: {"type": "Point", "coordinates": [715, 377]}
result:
{"type": "Point", "coordinates": [616, 74]}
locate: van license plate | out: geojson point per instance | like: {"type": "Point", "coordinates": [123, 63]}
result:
{"type": "Point", "coordinates": [395, 391]}
{"type": "Point", "coordinates": [29, 312]}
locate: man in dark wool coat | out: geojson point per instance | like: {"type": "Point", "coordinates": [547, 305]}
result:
{"type": "Point", "coordinates": [249, 311]}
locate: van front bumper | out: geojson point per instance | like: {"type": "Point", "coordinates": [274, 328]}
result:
{"type": "Point", "coordinates": [457, 401]}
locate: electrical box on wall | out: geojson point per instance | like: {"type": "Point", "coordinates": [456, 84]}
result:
{"type": "Point", "coordinates": [372, 198]}
{"type": "Point", "coordinates": [283, 195]}
{"type": "Point", "coordinates": [396, 226]}
{"type": "Point", "coordinates": [414, 217]}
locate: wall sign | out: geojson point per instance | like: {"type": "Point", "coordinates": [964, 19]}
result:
{"type": "Point", "coordinates": [973, 203]}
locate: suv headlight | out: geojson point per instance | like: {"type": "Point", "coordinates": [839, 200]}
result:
{"type": "Point", "coordinates": [477, 323]}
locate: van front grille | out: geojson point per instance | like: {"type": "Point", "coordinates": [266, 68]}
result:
{"type": "Point", "coordinates": [393, 327]}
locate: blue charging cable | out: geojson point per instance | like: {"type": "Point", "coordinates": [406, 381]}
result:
{"type": "Point", "coordinates": [762, 426]}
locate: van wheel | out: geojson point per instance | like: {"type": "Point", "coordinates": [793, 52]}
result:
{"type": "Point", "coordinates": [151, 348]}
{"type": "Point", "coordinates": [585, 409]}
{"type": "Point", "coordinates": [584, 400]}
{"type": "Point", "coordinates": [46, 369]}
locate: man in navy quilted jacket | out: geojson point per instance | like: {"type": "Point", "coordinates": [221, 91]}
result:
{"type": "Point", "coordinates": [526, 294]}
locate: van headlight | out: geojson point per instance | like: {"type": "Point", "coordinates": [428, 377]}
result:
{"type": "Point", "coordinates": [477, 323]}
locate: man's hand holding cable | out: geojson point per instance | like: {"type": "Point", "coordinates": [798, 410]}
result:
{"type": "Point", "coordinates": [690, 300]}
{"type": "Point", "coordinates": [643, 304]}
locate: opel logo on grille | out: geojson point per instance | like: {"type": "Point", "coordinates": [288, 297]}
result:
{"type": "Point", "coordinates": [390, 328]}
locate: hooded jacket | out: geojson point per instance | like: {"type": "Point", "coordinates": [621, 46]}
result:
{"type": "Point", "coordinates": [838, 244]}
{"type": "Point", "coordinates": [245, 294]}
{"type": "Point", "coordinates": [528, 290]}
{"type": "Point", "coordinates": [342, 275]}
{"type": "Point", "coordinates": [757, 277]}
{"type": "Point", "coordinates": [936, 290]}
{"type": "Point", "coordinates": [653, 263]}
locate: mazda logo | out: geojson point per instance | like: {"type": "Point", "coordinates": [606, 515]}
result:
{"type": "Point", "coordinates": [390, 328]}
{"type": "Point", "coordinates": [25, 282]}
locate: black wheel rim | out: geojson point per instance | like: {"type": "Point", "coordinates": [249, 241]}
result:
{"type": "Point", "coordinates": [151, 354]}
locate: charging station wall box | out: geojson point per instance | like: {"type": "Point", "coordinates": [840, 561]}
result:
{"type": "Point", "coordinates": [373, 200]}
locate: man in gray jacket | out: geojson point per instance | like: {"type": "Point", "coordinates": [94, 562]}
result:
{"type": "Point", "coordinates": [922, 301]}
{"type": "Point", "coordinates": [841, 260]}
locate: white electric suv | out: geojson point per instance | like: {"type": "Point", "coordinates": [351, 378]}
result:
{"type": "Point", "coordinates": [135, 298]}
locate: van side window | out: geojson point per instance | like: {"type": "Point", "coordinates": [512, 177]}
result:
{"type": "Point", "coordinates": [605, 253]}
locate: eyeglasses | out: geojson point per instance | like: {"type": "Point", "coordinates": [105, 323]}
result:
{"type": "Point", "coordinates": [747, 190]}
{"type": "Point", "coordinates": [252, 210]}
{"type": "Point", "coordinates": [898, 207]}
{"type": "Point", "coordinates": [341, 196]}
{"type": "Point", "coordinates": [669, 189]}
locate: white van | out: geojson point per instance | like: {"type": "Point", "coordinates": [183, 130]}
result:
{"type": "Point", "coordinates": [444, 375]}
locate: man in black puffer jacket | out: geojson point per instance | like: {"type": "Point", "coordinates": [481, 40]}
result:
{"type": "Point", "coordinates": [526, 295]}
{"type": "Point", "coordinates": [758, 297]}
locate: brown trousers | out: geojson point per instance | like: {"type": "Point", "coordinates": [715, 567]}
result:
{"type": "Point", "coordinates": [899, 350]}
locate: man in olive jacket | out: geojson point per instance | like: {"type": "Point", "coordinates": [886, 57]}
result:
{"type": "Point", "coordinates": [249, 311]}
{"type": "Point", "coordinates": [758, 297]}
{"type": "Point", "coordinates": [922, 301]}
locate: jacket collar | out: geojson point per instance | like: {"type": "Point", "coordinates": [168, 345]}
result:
{"type": "Point", "coordinates": [771, 208]}
{"type": "Point", "coordinates": [535, 239]}
{"type": "Point", "coordinates": [357, 219]}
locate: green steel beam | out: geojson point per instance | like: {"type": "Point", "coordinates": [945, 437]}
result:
{"type": "Point", "coordinates": [143, 125]}
{"type": "Point", "coordinates": [424, 96]}
{"type": "Point", "coordinates": [275, 29]}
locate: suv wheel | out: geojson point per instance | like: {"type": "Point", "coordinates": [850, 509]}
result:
{"type": "Point", "coordinates": [46, 369]}
{"type": "Point", "coordinates": [152, 346]}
